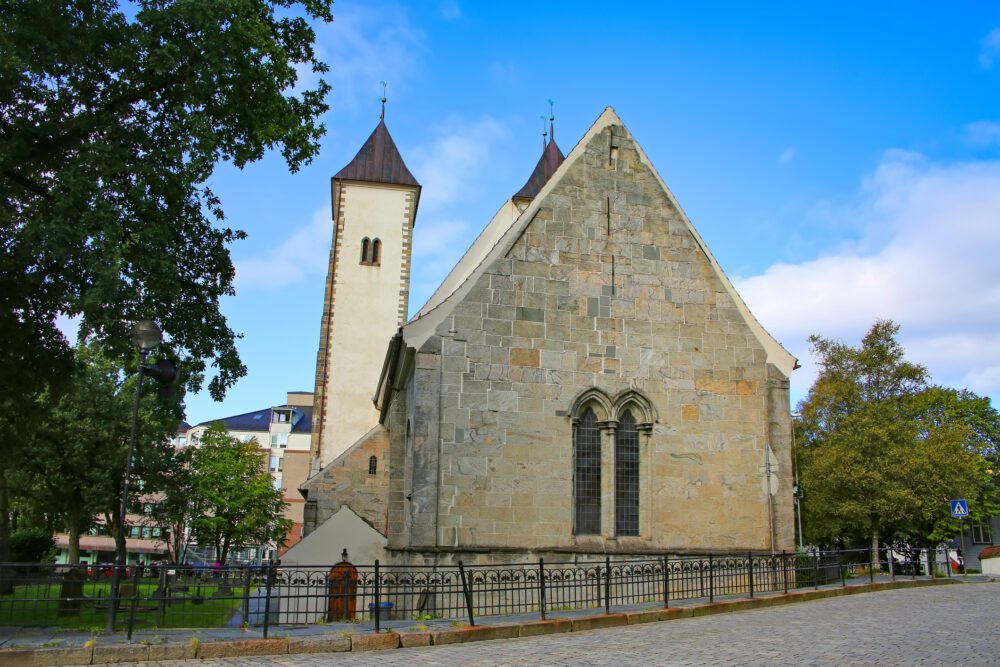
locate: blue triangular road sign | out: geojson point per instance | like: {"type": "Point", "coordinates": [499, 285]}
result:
{"type": "Point", "coordinates": [959, 508]}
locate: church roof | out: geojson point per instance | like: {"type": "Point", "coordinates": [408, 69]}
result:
{"type": "Point", "coordinates": [550, 160]}
{"type": "Point", "coordinates": [378, 161]}
{"type": "Point", "coordinates": [486, 250]}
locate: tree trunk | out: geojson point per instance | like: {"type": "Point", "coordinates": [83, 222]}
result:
{"type": "Point", "coordinates": [6, 583]}
{"type": "Point", "coordinates": [875, 545]}
{"type": "Point", "coordinates": [73, 528]}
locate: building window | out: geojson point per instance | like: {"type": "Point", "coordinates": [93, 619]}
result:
{"type": "Point", "coordinates": [372, 465]}
{"type": "Point", "coordinates": [981, 533]}
{"type": "Point", "coordinates": [274, 440]}
{"type": "Point", "coordinates": [280, 416]}
{"type": "Point", "coordinates": [281, 463]}
{"type": "Point", "coordinates": [282, 440]}
{"type": "Point", "coordinates": [275, 460]}
{"type": "Point", "coordinates": [587, 475]}
{"type": "Point", "coordinates": [371, 252]}
{"type": "Point", "coordinates": [627, 476]}
{"type": "Point", "coordinates": [277, 483]}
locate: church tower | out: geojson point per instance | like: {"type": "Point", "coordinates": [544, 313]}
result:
{"type": "Point", "coordinates": [374, 202]}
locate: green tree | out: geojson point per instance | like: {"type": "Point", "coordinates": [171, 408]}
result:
{"type": "Point", "coordinates": [881, 453]}
{"type": "Point", "coordinates": [235, 495]}
{"type": "Point", "coordinates": [74, 466]}
{"type": "Point", "coordinates": [179, 505]}
{"type": "Point", "coordinates": [112, 121]}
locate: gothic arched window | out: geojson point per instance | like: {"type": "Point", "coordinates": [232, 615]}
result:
{"type": "Point", "coordinates": [587, 475]}
{"type": "Point", "coordinates": [627, 476]}
{"type": "Point", "coordinates": [376, 252]}
{"type": "Point", "coordinates": [365, 243]}
{"type": "Point", "coordinates": [372, 465]}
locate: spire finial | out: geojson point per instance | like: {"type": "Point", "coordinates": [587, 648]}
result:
{"type": "Point", "coordinates": [545, 132]}
{"type": "Point", "coordinates": [552, 125]}
{"type": "Point", "coordinates": [382, 115]}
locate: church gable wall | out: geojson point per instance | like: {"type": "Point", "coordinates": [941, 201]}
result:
{"type": "Point", "coordinates": [617, 300]}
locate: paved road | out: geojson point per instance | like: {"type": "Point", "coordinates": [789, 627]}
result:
{"type": "Point", "coordinates": [941, 625]}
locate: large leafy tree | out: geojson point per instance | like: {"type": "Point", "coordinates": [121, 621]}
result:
{"type": "Point", "coordinates": [73, 468]}
{"type": "Point", "coordinates": [235, 495]}
{"type": "Point", "coordinates": [112, 120]}
{"type": "Point", "coordinates": [882, 452]}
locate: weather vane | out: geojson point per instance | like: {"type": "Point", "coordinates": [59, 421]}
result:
{"type": "Point", "coordinates": [552, 118]}
{"type": "Point", "coordinates": [545, 131]}
{"type": "Point", "coordinates": [382, 115]}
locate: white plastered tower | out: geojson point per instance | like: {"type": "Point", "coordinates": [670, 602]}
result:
{"type": "Point", "coordinates": [374, 203]}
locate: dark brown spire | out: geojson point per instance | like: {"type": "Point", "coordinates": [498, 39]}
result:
{"type": "Point", "coordinates": [551, 158]}
{"type": "Point", "coordinates": [378, 161]}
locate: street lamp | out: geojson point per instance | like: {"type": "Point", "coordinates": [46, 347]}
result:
{"type": "Point", "coordinates": [146, 337]}
{"type": "Point", "coordinates": [797, 488]}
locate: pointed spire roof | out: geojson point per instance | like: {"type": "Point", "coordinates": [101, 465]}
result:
{"type": "Point", "coordinates": [378, 161]}
{"type": "Point", "coordinates": [551, 158]}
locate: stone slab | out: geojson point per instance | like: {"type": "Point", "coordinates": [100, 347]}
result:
{"type": "Point", "coordinates": [330, 644]}
{"type": "Point", "coordinates": [111, 653]}
{"type": "Point", "coordinates": [596, 622]}
{"type": "Point", "coordinates": [549, 627]}
{"type": "Point", "coordinates": [240, 647]}
{"type": "Point", "coordinates": [172, 651]}
{"type": "Point", "coordinates": [375, 641]}
{"type": "Point", "coordinates": [414, 638]}
{"type": "Point", "coordinates": [80, 655]}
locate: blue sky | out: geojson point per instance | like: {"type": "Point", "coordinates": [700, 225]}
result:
{"type": "Point", "coordinates": [842, 161]}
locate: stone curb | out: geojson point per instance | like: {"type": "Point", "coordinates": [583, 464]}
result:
{"type": "Point", "coordinates": [111, 653]}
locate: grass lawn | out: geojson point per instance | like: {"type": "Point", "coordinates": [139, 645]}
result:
{"type": "Point", "coordinates": [39, 605]}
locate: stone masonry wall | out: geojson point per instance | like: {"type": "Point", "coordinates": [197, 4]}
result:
{"type": "Point", "coordinates": [346, 481]}
{"type": "Point", "coordinates": [605, 288]}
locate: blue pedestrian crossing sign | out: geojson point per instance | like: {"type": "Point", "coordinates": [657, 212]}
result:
{"type": "Point", "coordinates": [959, 509]}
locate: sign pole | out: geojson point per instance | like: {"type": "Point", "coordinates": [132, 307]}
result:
{"type": "Point", "coordinates": [961, 532]}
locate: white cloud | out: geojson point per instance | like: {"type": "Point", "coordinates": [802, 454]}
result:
{"type": "Point", "coordinates": [362, 47]}
{"type": "Point", "coordinates": [453, 165]}
{"type": "Point", "coordinates": [303, 255]}
{"type": "Point", "coordinates": [989, 52]}
{"type": "Point", "coordinates": [983, 133]}
{"type": "Point", "coordinates": [928, 259]}
{"type": "Point", "coordinates": [787, 155]}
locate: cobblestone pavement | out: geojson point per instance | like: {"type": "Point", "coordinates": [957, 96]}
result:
{"type": "Point", "coordinates": [940, 625]}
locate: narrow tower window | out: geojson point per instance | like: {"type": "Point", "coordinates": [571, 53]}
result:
{"type": "Point", "coordinates": [372, 465]}
{"type": "Point", "coordinates": [376, 252]}
{"type": "Point", "coordinates": [365, 245]}
{"type": "Point", "coordinates": [627, 476]}
{"type": "Point", "coordinates": [587, 475]}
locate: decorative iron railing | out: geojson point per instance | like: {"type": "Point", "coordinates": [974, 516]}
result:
{"type": "Point", "coordinates": [261, 597]}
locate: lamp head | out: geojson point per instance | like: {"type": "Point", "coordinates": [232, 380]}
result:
{"type": "Point", "coordinates": [146, 335]}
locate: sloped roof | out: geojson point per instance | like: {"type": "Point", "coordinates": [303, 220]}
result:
{"type": "Point", "coordinates": [420, 328]}
{"type": "Point", "coordinates": [550, 160]}
{"type": "Point", "coordinates": [258, 420]}
{"type": "Point", "coordinates": [378, 161]}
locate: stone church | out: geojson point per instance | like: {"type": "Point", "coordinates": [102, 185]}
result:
{"type": "Point", "coordinates": [585, 381]}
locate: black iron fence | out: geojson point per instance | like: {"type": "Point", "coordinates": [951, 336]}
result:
{"type": "Point", "coordinates": [262, 597]}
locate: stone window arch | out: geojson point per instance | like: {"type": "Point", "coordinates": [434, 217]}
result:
{"type": "Point", "coordinates": [365, 249]}
{"type": "Point", "coordinates": [611, 444]}
{"type": "Point", "coordinates": [372, 465]}
{"type": "Point", "coordinates": [376, 257]}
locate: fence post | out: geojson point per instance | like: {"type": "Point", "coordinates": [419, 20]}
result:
{"type": "Point", "coordinates": [607, 584]}
{"type": "Point", "coordinates": [892, 566]}
{"type": "Point", "coordinates": [947, 559]}
{"type": "Point", "coordinates": [269, 584]}
{"type": "Point", "coordinates": [840, 566]}
{"type": "Point", "coordinates": [136, 577]}
{"type": "Point", "coordinates": [711, 580]}
{"type": "Point", "coordinates": [816, 569]}
{"type": "Point", "coordinates": [541, 586]}
{"type": "Point", "coordinates": [468, 595]}
{"type": "Point", "coordinates": [915, 563]}
{"type": "Point", "coordinates": [378, 599]}
{"type": "Point", "coordinates": [871, 566]}
{"type": "Point", "coordinates": [161, 607]}
{"type": "Point", "coordinates": [784, 569]}
{"type": "Point", "coordinates": [701, 578]}
{"type": "Point", "coordinates": [246, 594]}
{"type": "Point", "coordinates": [666, 582]}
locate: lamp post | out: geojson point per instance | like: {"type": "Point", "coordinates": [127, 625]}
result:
{"type": "Point", "coordinates": [146, 336]}
{"type": "Point", "coordinates": [797, 489]}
